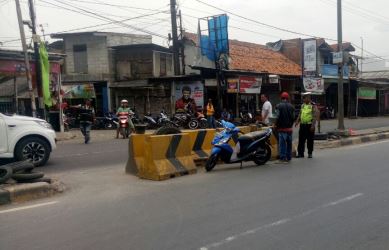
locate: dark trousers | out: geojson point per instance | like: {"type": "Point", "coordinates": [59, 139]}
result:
{"type": "Point", "coordinates": [305, 134]}
{"type": "Point", "coordinates": [85, 130]}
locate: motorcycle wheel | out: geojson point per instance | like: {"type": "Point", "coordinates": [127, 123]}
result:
{"type": "Point", "coordinates": [203, 124]}
{"type": "Point", "coordinates": [263, 155]}
{"type": "Point", "coordinates": [123, 132]}
{"type": "Point", "coordinates": [211, 162]}
{"type": "Point", "coordinates": [108, 125]}
{"type": "Point", "coordinates": [193, 124]}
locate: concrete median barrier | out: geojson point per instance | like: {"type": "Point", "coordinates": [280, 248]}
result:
{"type": "Point", "coordinates": [200, 142]}
{"type": "Point", "coordinates": [160, 157]}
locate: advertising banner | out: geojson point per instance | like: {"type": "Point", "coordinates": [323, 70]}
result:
{"type": "Point", "coordinates": [250, 85]}
{"type": "Point", "coordinates": [197, 92]}
{"type": "Point", "coordinates": [232, 85]}
{"type": "Point", "coordinates": [314, 85]}
{"type": "Point", "coordinates": [309, 56]}
{"type": "Point", "coordinates": [78, 91]}
{"type": "Point", "coordinates": [366, 93]}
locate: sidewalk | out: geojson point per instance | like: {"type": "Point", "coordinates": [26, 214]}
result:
{"type": "Point", "coordinates": [360, 125]}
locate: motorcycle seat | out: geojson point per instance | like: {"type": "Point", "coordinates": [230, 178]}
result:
{"type": "Point", "coordinates": [252, 136]}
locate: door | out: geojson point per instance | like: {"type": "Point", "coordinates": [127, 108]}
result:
{"type": "Point", "coordinates": [3, 136]}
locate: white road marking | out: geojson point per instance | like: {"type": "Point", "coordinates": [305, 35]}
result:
{"type": "Point", "coordinates": [28, 207]}
{"type": "Point", "coordinates": [279, 222]}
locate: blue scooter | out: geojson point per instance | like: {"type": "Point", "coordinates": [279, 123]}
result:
{"type": "Point", "coordinates": [254, 146]}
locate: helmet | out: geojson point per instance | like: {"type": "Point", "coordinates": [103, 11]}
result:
{"type": "Point", "coordinates": [284, 95]}
{"type": "Point", "coordinates": [124, 101]}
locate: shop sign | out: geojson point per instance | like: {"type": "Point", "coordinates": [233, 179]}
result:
{"type": "Point", "coordinates": [309, 56]}
{"type": "Point", "coordinates": [232, 85]}
{"type": "Point", "coordinates": [83, 91]}
{"type": "Point", "coordinates": [366, 93]}
{"type": "Point", "coordinates": [274, 79]}
{"type": "Point", "coordinates": [197, 92]}
{"type": "Point", "coordinates": [314, 85]}
{"type": "Point", "coordinates": [250, 85]}
{"type": "Point", "coordinates": [337, 57]}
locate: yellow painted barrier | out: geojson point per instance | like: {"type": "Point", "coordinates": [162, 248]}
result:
{"type": "Point", "coordinates": [136, 145]}
{"type": "Point", "coordinates": [163, 157]}
{"type": "Point", "coordinates": [201, 142]}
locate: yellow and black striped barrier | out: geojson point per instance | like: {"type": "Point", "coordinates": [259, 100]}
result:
{"type": "Point", "coordinates": [160, 157]}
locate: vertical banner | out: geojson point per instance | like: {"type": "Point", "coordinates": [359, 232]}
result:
{"type": "Point", "coordinates": [250, 85]}
{"type": "Point", "coordinates": [197, 92]}
{"type": "Point", "coordinates": [309, 57]}
{"type": "Point", "coordinates": [45, 69]}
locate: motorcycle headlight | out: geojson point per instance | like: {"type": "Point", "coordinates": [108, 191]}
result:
{"type": "Point", "coordinates": [45, 124]}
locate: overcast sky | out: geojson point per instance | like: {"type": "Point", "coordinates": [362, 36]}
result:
{"type": "Point", "coordinates": [361, 18]}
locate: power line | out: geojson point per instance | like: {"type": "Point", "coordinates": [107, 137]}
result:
{"type": "Point", "coordinates": [261, 23]}
{"type": "Point", "coordinates": [98, 16]}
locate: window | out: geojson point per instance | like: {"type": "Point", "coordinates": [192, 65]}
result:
{"type": "Point", "coordinates": [80, 58]}
{"type": "Point", "coordinates": [162, 64]}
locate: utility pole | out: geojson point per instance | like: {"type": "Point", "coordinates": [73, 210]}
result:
{"type": "Point", "coordinates": [340, 71]}
{"type": "Point", "coordinates": [26, 59]}
{"type": "Point", "coordinates": [35, 39]}
{"type": "Point", "coordinates": [182, 44]}
{"type": "Point", "coordinates": [176, 58]}
{"type": "Point", "coordinates": [361, 56]}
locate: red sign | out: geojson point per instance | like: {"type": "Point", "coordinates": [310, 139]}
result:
{"type": "Point", "coordinates": [250, 85]}
{"type": "Point", "coordinates": [15, 67]}
{"type": "Point", "coordinates": [232, 85]}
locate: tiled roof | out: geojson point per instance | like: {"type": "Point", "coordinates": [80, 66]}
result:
{"type": "Point", "coordinates": [258, 58]}
{"type": "Point", "coordinates": [346, 46]}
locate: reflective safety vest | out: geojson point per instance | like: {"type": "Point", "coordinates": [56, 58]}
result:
{"type": "Point", "coordinates": [306, 116]}
{"type": "Point", "coordinates": [210, 109]}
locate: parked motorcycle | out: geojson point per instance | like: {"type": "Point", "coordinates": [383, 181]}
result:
{"type": "Point", "coordinates": [106, 122]}
{"type": "Point", "coordinates": [185, 120]}
{"type": "Point", "coordinates": [246, 118]}
{"type": "Point", "coordinates": [254, 146]}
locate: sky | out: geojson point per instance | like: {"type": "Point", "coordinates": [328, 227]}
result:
{"type": "Point", "coordinates": [367, 20]}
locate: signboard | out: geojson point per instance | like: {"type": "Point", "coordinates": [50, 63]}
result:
{"type": "Point", "coordinates": [337, 57]}
{"type": "Point", "coordinates": [331, 71]}
{"type": "Point", "coordinates": [83, 91]}
{"type": "Point", "coordinates": [274, 79]}
{"type": "Point", "coordinates": [197, 92]}
{"type": "Point", "coordinates": [232, 85]}
{"type": "Point", "coordinates": [309, 56]}
{"type": "Point", "coordinates": [314, 85]}
{"type": "Point", "coordinates": [250, 85]}
{"type": "Point", "coordinates": [366, 93]}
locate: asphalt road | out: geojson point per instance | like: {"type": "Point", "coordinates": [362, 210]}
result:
{"type": "Point", "coordinates": [337, 200]}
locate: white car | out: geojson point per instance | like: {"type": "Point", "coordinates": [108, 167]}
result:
{"type": "Point", "coordinates": [24, 137]}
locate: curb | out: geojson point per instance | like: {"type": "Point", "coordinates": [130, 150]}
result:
{"type": "Point", "coordinates": [28, 191]}
{"type": "Point", "coordinates": [354, 140]}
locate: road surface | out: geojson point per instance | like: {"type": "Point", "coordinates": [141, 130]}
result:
{"type": "Point", "coordinates": [337, 200]}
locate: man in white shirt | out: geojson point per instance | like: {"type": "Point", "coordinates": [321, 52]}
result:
{"type": "Point", "coordinates": [267, 109]}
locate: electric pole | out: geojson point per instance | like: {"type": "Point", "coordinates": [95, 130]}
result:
{"type": "Point", "coordinates": [35, 39]}
{"type": "Point", "coordinates": [176, 58]}
{"type": "Point", "coordinates": [26, 59]}
{"type": "Point", "coordinates": [340, 71]}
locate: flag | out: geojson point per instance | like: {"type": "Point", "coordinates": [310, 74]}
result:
{"type": "Point", "coordinates": [45, 71]}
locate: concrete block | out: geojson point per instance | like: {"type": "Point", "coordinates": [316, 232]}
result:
{"type": "Point", "coordinates": [29, 191]}
{"type": "Point", "coordinates": [4, 197]}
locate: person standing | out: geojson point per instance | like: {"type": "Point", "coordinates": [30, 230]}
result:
{"type": "Point", "coordinates": [267, 109]}
{"type": "Point", "coordinates": [307, 120]}
{"type": "Point", "coordinates": [210, 114]}
{"type": "Point", "coordinates": [87, 117]}
{"type": "Point", "coordinates": [284, 126]}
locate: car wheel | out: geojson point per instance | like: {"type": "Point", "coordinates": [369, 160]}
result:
{"type": "Point", "coordinates": [34, 149]}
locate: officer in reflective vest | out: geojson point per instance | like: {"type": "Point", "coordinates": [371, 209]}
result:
{"type": "Point", "coordinates": [307, 120]}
